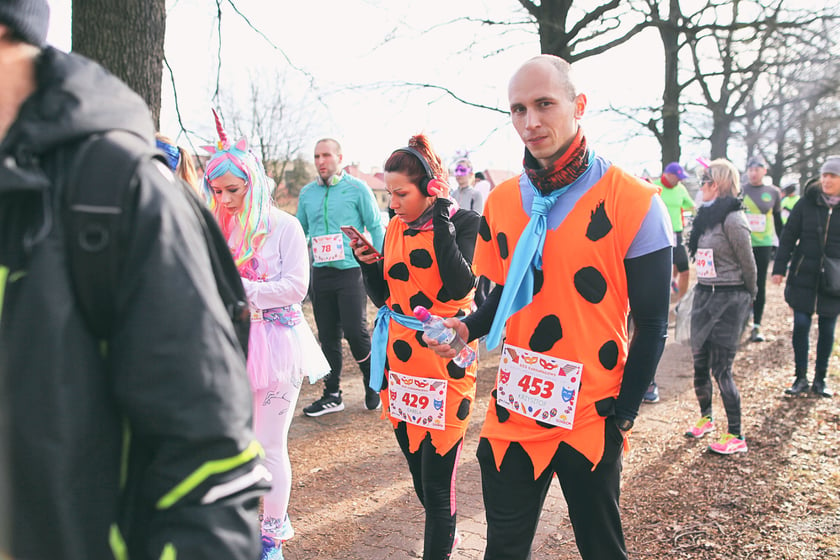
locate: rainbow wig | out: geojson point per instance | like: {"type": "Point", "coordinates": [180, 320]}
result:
{"type": "Point", "coordinates": [253, 219]}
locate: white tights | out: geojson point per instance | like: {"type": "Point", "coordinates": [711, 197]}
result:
{"type": "Point", "coordinates": [274, 409]}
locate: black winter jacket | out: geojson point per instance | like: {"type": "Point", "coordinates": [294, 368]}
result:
{"type": "Point", "coordinates": [149, 447]}
{"type": "Point", "coordinates": [801, 247]}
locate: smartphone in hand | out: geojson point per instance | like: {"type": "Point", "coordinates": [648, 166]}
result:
{"type": "Point", "coordinates": [357, 236]}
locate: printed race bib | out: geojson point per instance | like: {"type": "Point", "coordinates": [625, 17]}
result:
{"type": "Point", "coordinates": [328, 248]}
{"type": "Point", "coordinates": [538, 386]}
{"type": "Point", "coordinates": [704, 263]}
{"type": "Point", "coordinates": [758, 222]}
{"type": "Point", "coordinates": [417, 400]}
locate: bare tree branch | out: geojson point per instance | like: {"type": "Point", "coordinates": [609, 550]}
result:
{"type": "Point", "coordinates": [421, 85]}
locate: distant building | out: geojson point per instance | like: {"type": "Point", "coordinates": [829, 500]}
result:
{"type": "Point", "coordinates": [376, 181]}
{"type": "Point", "coordinates": [498, 176]}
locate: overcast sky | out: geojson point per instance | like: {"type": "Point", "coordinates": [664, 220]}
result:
{"type": "Point", "coordinates": [345, 46]}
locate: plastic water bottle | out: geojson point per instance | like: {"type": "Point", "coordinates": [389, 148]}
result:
{"type": "Point", "coordinates": [435, 329]}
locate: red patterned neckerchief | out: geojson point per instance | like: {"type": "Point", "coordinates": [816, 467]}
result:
{"type": "Point", "coordinates": [562, 172]}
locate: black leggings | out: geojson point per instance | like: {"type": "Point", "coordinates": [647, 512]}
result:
{"type": "Point", "coordinates": [513, 499]}
{"type": "Point", "coordinates": [801, 335]}
{"type": "Point", "coordinates": [434, 484]}
{"type": "Point", "coordinates": [762, 260]}
{"type": "Point", "coordinates": [339, 303]}
{"type": "Point", "coordinates": [719, 360]}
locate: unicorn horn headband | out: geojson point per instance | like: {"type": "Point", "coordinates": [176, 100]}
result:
{"type": "Point", "coordinates": [223, 145]}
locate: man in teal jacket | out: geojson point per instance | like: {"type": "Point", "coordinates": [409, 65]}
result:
{"type": "Point", "coordinates": [339, 300]}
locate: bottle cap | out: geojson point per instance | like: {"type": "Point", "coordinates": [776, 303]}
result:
{"type": "Point", "coordinates": [421, 313]}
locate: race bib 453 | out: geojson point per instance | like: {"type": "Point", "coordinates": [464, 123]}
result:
{"type": "Point", "coordinates": [538, 386]}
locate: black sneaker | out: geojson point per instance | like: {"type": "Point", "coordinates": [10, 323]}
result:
{"type": "Point", "coordinates": [325, 405]}
{"type": "Point", "coordinates": [652, 394]}
{"type": "Point", "coordinates": [800, 385]}
{"type": "Point", "coordinates": [756, 336]}
{"type": "Point", "coordinates": [372, 400]}
{"type": "Point", "coordinates": [820, 389]}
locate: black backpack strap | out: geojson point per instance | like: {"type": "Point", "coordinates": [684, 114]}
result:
{"type": "Point", "coordinates": [98, 196]}
{"type": "Point", "coordinates": [100, 183]}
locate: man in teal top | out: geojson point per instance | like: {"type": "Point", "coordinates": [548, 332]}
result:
{"type": "Point", "coordinates": [764, 214]}
{"type": "Point", "coordinates": [339, 300]}
{"type": "Point", "coordinates": [677, 200]}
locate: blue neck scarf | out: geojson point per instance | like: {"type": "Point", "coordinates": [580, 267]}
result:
{"type": "Point", "coordinates": [519, 284]}
{"type": "Point", "coordinates": [379, 341]}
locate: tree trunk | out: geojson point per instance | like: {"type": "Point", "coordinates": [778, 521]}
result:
{"type": "Point", "coordinates": [126, 37]}
{"type": "Point", "coordinates": [670, 139]}
{"type": "Point", "coordinates": [719, 139]}
{"type": "Point", "coordinates": [552, 28]}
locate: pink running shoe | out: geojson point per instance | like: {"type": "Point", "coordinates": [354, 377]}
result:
{"type": "Point", "coordinates": [729, 444]}
{"type": "Point", "coordinates": [701, 428]}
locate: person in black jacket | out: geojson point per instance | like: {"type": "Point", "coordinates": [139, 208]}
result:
{"type": "Point", "coordinates": [811, 233]}
{"type": "Point", "coordinates": [428, 255]}
{"type": "Point", "coordinates": [139, 445]}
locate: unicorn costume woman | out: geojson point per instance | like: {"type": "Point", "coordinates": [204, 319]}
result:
{"type": "Point", "coordinates": [269, 248]}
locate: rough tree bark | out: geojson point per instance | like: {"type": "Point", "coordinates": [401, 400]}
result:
{"type": "Point", "coordinates": [126, 37]}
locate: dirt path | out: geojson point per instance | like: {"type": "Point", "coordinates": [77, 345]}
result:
{"type": "Point", "coordinates": [352, 496]}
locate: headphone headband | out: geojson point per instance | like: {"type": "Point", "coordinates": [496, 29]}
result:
{"type": "Point", "coordinates": [426, 167]}
{"type": "Point", "coordinates": [429, 185]}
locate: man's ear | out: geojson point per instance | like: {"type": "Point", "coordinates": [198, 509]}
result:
{"type": "Point", "coordinates": [580, 105]}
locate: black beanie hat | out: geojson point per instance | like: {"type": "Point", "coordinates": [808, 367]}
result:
{"type": "Point", "coordinates": [28, 18]}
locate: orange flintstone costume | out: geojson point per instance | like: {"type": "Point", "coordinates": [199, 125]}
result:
{"type": "Point", "coordinates": [574, 320]}
{"type": "Point", "coordinates": [414, 278]}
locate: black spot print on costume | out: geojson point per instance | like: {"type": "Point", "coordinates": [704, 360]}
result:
{"type": "Point", "coordinates": [454, 371]}
{"type": "Point", "coordinates": [599, 223]}
{"type": "Point", "coordinates": [463, 409]}
{"type": "Point", "coordinates": [418, 336]}
{"type": "Point", "coordinates": [399, 272]}
{"type": "Point", "coordinates": [402, 349]}
{"type": "Point", "coordinates": [411, 232]}
{"type": "Point", "coordinates": [460, 313]}
{"type": "Point", "coordinates": [443, 295]}
{"type": "Point", "coordinates": [420, 299]}
{"type": "Point", "coordinates": [546, 425]}
{"type": "Point", "coordinates": [608, 354]}
{"type": "Point", "coordinates": [539, 278]}
{"type": "Point", "coordinates": [501, 239]}
{"type": "Point", "coordinates": [501, 412]}
{"type": "Point", "coordinates": [420, 258]}
{"type": "Point", "coordinates": [590, 284]}
{"type": "Point", "coordinates": [484, 230]}
{"type": "Point", "coordinates": [397, 308]}
{"type": "Point", "coordinates": [547, 333]}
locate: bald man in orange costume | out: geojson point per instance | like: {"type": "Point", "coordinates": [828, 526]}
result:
{"type": "Point", "coordinates": [574, 243]}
